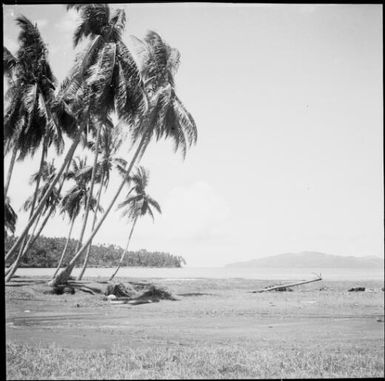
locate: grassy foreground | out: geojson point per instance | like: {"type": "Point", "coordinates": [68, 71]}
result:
{"type": "Point", "coordinates": [29, 362]}
{"type": "Point", "coordinates": [216, 329]}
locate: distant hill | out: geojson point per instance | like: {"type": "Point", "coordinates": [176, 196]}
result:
{"type": "Point", "coordinates": [312, 259]}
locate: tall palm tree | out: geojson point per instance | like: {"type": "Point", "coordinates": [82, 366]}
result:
{"type": "Point", "coordinates": [135, 206]}
{"type": "Point", "coordinates": [113, 78]}
{"type": "Point", "coordinates": [29, 119]}
{"type": "Point", "coordinates": [165, 117]}
{"type": "Point", "coordinates": [110, 141]}
{"type": "Point", "coordinates": [104, 78]}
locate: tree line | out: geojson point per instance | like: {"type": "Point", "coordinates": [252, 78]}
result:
{"type": "Point", "coordinates": [46, 252]}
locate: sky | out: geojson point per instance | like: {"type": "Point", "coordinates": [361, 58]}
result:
{"type": "Point", "coordinates": [288, 102]}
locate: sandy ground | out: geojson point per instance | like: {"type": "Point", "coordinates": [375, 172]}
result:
{"type": "Point", "coordinates": [208, 311]}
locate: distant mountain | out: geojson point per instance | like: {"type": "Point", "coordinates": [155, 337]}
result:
{"type": "Point", "coordinates": [312, 259]}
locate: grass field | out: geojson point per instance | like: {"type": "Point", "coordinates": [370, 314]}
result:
{"type": "Point", "coordinates": [217, 329]}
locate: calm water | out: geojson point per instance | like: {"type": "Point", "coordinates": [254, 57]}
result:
{"type": "Point", "coordinates": [190, 273]}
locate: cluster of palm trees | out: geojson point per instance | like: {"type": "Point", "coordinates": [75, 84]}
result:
{"type": "Point", "coordinates": [105, 80]}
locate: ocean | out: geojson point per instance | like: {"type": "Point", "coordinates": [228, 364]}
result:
{"type": "Point", "coordinates": [190, 273]}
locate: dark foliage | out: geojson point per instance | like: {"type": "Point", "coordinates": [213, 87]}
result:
{"type": "Point", "coordinates": [46, 252]}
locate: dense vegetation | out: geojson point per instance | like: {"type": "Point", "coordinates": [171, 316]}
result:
{"type": "Point", "coordinates": [46, 252]}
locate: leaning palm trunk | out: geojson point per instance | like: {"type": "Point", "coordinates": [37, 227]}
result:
{"type": "Point", "coordinates": [12, 269]}
{"type": "Point", "coordinates": [43, 155]}
{"type": "Point", "coordinates": [92, 228]}
{"type": "Point", "coordinates": [125, 250]}
{"type": "Point", "coordinates": [89, 198]}
{"type": "Point", "coordinates": [65, 274]}
{"type": "Point", "coordinates": [33, 238]}
{"type": "Point", "coordinates": [10, 170]}
{"type": "Point", "coordinates": [65, 248]}
{"type": "Point", "coordinates": [47, 193]}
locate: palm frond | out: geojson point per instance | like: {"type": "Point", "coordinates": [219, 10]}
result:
{"type": "Point", "coordinates": [9, 62]}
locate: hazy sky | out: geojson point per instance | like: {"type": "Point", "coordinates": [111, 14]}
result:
{"type": "Point", "coordinates": [288, 104]}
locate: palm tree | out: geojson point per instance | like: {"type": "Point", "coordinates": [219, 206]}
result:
{"type": "Point", "coordinates": [113, 78]}
{"type": "Point", "coordinates": [10, 218]}
{"type": "Point", "coordinates": [29, 119]}
{"type": "Point", "coordinates": [110, 141]}
{"type": "Point", "coordinates": [166, 117]}
{"type": "Point", "coordinates": [137, 205]}
{"type": "Point", "coordinates": [75, 199]}
{"type": "Point", "coordinates": [104, 78]}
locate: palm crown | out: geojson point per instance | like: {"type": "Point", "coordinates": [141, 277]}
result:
{"type": "Point", "coordinates": [170, 119]}
{"type": "Point", "coordinates": [140, 203]}
{"type": "Point", "coordinates": [31, 93]}
{"type": "Point", "coordinates": [105, 74]}
{"type": "Point", "coordinates": [47, 173]}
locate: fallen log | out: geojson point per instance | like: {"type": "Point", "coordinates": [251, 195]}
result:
{"type": "Point", "coordinates": [288, 285]}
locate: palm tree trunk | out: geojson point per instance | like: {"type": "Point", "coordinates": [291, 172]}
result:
{"type": "Point", "coordinates": [89, 198]}
{"type": "Point", "coordinates": [43, 155]}
{"type": "Point", "coordinates": [65, 274]}
{"type": "Point", "coordinates": [12, 269]}
{"type": "Point", "coordinates": [31, 241]}
{"type": "Point", "coordinates": [65, 248]}
{"type": "Point", "coordinates": [47, 194]}
{"type": "Point", "coordinates": [125, 250]}
{"type": "Point", "coordinates": [92, 228]}
{"type": "Point", "coordinates": [10, 170]}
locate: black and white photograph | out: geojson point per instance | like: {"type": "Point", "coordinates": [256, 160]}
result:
{"type": "Point", "coordinates": [193, 191]}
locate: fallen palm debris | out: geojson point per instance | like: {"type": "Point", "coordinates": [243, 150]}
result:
{"type": "Point", "coordinates": [120, 290]}
{"type": "Point", "coordinates": [356, 289]}
{"type": "Point", "coordinates": [145, 293]}
{"type": "Point", "coordinates": [287, 287]}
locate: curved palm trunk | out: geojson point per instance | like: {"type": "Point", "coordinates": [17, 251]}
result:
{"type": "Point", "coordinates": [12, 269]}
{"type": "Point", "coordinates": [65, 249]}
{"type": "Point", "coordinates": [33, 238]}
{"type": "Point", "coordinates": [46, 195]}
{"type": "Point", "coordinates": [92, 228]}
{"type": "Point", "coordinates": [125, 250]}
{"type": "Point", "coordinates": [43, 155]}
{"type": "Point", "coordinates": [10, 170]}
{"type": "Point", "coordinates": [65, 274]}
{"type": "Point", "coordinates": [89, 197]}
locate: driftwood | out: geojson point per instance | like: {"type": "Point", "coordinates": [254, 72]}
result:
{"type": "Point", "coordinates": [281, 286]}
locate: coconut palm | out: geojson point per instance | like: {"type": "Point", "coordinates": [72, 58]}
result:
{"type": "Point", "coordinates": [110, 141]}
{"type": "Point", "coordinates": [136, 205]}
{"type": "Point", "coordinates": [10, 218]}
{"type": "Point", "coordinates": [165, 117]}
{"type": "Point", "coordinates": [28, 121]}
{"type": "Point", "coordinates": [112, 76]}
{"type": "Point", "coordinates": [104, 78]}
{"type": "Point", "coordinates": [75, 200]}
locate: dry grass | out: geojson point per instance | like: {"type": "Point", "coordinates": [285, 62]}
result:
{"type": "Point", "coordinates": [36, 362]}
